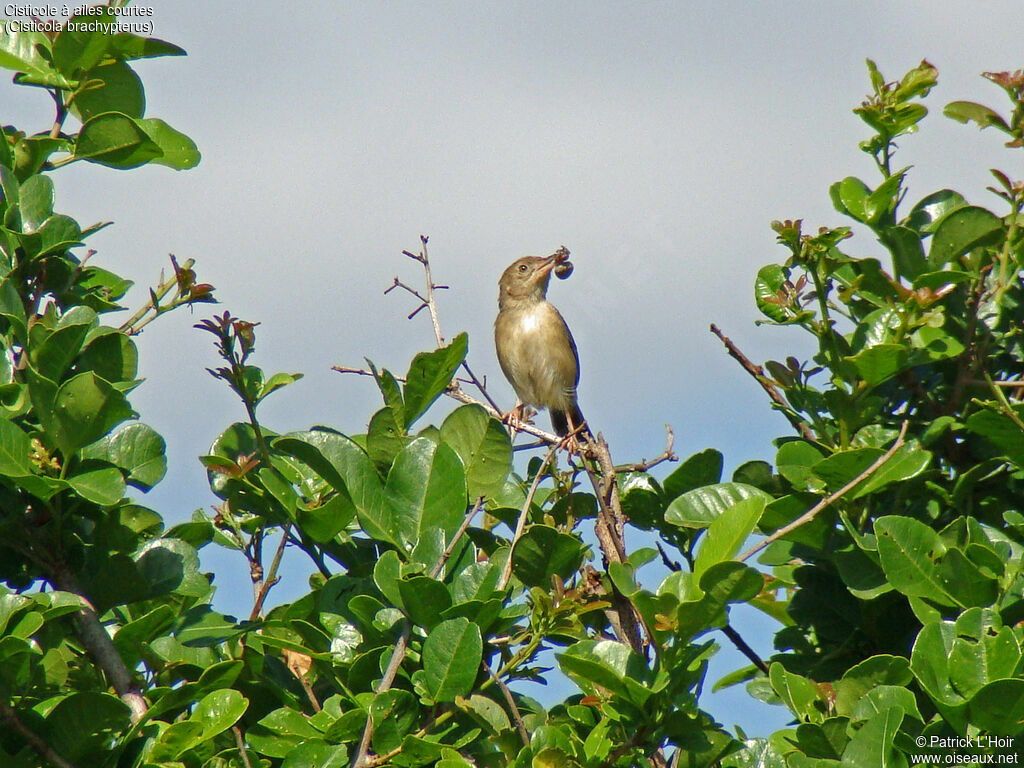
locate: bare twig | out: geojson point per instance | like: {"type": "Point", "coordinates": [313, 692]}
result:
{"type": "Point", "coordinates": [667, 455]}
{"type": "Point", "coordinates": [513, 709]}
{"type": "Point", "coordinates": [744, 648]}
{"type": "Point", "coordinates": [439, 565]}
{"type": "Point", "coordinates": [240, 744]}
{"type": "Point", "coordinates": [11, 722]}
{"type": "Point", "coordinates": [766, 384]}
{"type": "Point", "coordinates": [272, 577]}
{"type": "Point", "coordinates": [397, 655]}
{"type": "Point", "coordinates": [828, 500]}
{"type": "Point", "coordinates": [428, 301]}
{"type": "Point", "coordinates": [506, 572]}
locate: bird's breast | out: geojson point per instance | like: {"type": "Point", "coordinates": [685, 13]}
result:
{"type": "Point", "coordinates": [537, 355]}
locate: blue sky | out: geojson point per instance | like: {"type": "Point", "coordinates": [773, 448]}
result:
{"type": "Point", "coordinates": [656, 140]}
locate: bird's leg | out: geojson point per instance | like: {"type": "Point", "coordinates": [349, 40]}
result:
{"type": "Point", "coordinates": [521, 414]}
{"type": "Point", "coordinates": [571, 441]}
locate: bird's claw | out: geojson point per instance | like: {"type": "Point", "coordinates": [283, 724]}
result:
{"type": "Point", "coordinates": [517, 417]}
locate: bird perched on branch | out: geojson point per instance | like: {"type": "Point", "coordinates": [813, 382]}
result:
{"type": "Point", "coordinates": [535, 347]}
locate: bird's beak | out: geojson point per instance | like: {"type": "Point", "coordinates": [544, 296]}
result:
{"type": "Point", "coordinates": [547, 265]}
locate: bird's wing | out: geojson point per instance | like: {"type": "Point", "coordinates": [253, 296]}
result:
{"type": "Point", "coordinates": [572, 345]}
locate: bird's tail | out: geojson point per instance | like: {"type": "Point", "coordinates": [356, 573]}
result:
{"type": "Point", "coordinates": [569, 420]}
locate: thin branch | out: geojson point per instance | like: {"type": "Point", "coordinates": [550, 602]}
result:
{"type": "Point", "coordinates": [506, 573]}
{"type": "Point", "coordinates": [439, 565]}
{"type": "Point", "coordinates": [11, 722]}
{"type": "Point", "coordinates": [482, 387]}
{"type": "Point", "coordinates": [361, 758]}
{"type": "Point", "coordinates": [828, 500]}
{"type": "Point", "coordinates": [513, 709]}
{"type": "Point", "coordinates": [456, 392]}
{"type": "Point", "coordinates": [272, 577]}
{"type": "Point", "coordinates": [397, 656]}
{"type": "Point", "coordinates": [62, 112]}
{"type": "Point", "coordinates": [240, 743]}
{"type": "Point", "coordinates": [100, 646]}
{"type": "Point", "coordinates": [744, 648]}
{"type": "Point", "coordinates": [644, 465]}
{"type": "Point", "coordinates": [610, 531]}
{"type": "Point", "coordinates": [766, 384]}
{"type": "Point", "coordinates": [671, 564]}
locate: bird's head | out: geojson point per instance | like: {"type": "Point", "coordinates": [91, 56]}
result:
{"type": "Point", "coordinates": [526, 280]}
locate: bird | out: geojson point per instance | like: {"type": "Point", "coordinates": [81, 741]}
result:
{"type": "Point", "coordinates": [535, 347]}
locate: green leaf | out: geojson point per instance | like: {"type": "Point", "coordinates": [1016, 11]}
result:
{"type": "Point", "coordinates": [908, 551]}
{"type": "Point", "coordinates": [29, 52]}
{"type": "Point", "coordinates": [82, 43]}
{"type": "Point", "coordinates": [384, 438]}
{"type": "Point", "coordinates": [177, 150]}
{"type": "Point", "coordinates": [999, 707]}
{"type": "Point", "coordinates": [347, 468]}
{"type": "Point", "coordinates": [794, 461]}
{"type": "Point", "coordinates": [797, 692]}
{"type": "Point", "coordinates": [872, 745]}
{"type": "Point", "coordinates": [543, 552]}
{"type": "Point", "coordinates": [429, 374]}
{"type": "Point", "coordinates": [926, 214]}
{"type": "Point", "coordinates": [704, 468]}
{"type": "Point", "coordinates": [426, 489]}
{"type": "Point", "coordinates": [128, 46]}
{"type": "Point", "coordinates": [769, 286]}
{"type": "Point", "coordinates": [610, 665]}
{"type": "Point", "coordinates": [960, 231]}
{"type": "Point", "coordinates": [486, 712]}
{"type": "Point", "coordinates": [968, 111]}
{"type": "Point", "coordinates": [85, 409]}
{"type": "Point", "coordinates": [701, 506]}
{"type": "Point", "coordinates": [80, 726]}
{"type": "Point", "coordinates": [116, 88]}
{"type": "Point", "coordinates": [727, 533]}
{"type": "Point", "coordinates": [451, 658]}
{"type": "Point", "coordinates": [884, 697]}
{"type": "Point", "coordinates": [483, 445]}
{"type": "Point", "coordinates": [1000, 430]}
{"type": "Point", "coordinates": [879, 363]}
{"type": "Point", "coordinates": [218, 711]}
{"type": "Point", "coordinates": [721, 584]}
{"type": "Point", "coordinates": [116, 141]}
{"type": "Point", "coordinates": [15, 448]}
{"type": "Point", "coordinates": [425, 599]}
{"type": "Point", "coordinates": [982, 653]}
{"type": "Point", "coordinates": [36, 201]}
{"type": "Point", "coordinates": [863, 677]}
{"type": "Point", "coordinates": [394, 713]}
{"type": "Point", "coordinates": [101, 486]}
{"type": "Point", "coordinates": [850, 196]}
{"type": "Point", "coordinates": [322, 523]}
{"type": "Point", "coordinates": [137, 449]}
{"type": "Point", "coordinates": [55, 354]}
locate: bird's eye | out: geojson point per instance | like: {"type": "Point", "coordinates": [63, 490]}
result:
{"type": "Point", "coordinates": [522, 267]}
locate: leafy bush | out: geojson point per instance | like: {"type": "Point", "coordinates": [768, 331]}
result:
{"type": "Point", "coordinates": [889, 526]}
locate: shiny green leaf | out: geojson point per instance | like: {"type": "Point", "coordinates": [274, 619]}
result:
{"type": "Point", "coordinates": [960, 231]}
{"type": "Point", "coordinates": [451, 659]}
{"type": "Point", "coordinates": [429, 374]}
{"type": "Point", "coordinates": [701, 506]}
{"type": "Point", "coordinates": [483, 445]}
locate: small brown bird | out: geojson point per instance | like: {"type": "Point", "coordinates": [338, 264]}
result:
{"type": "Point", "coordinates": [535, 348]}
